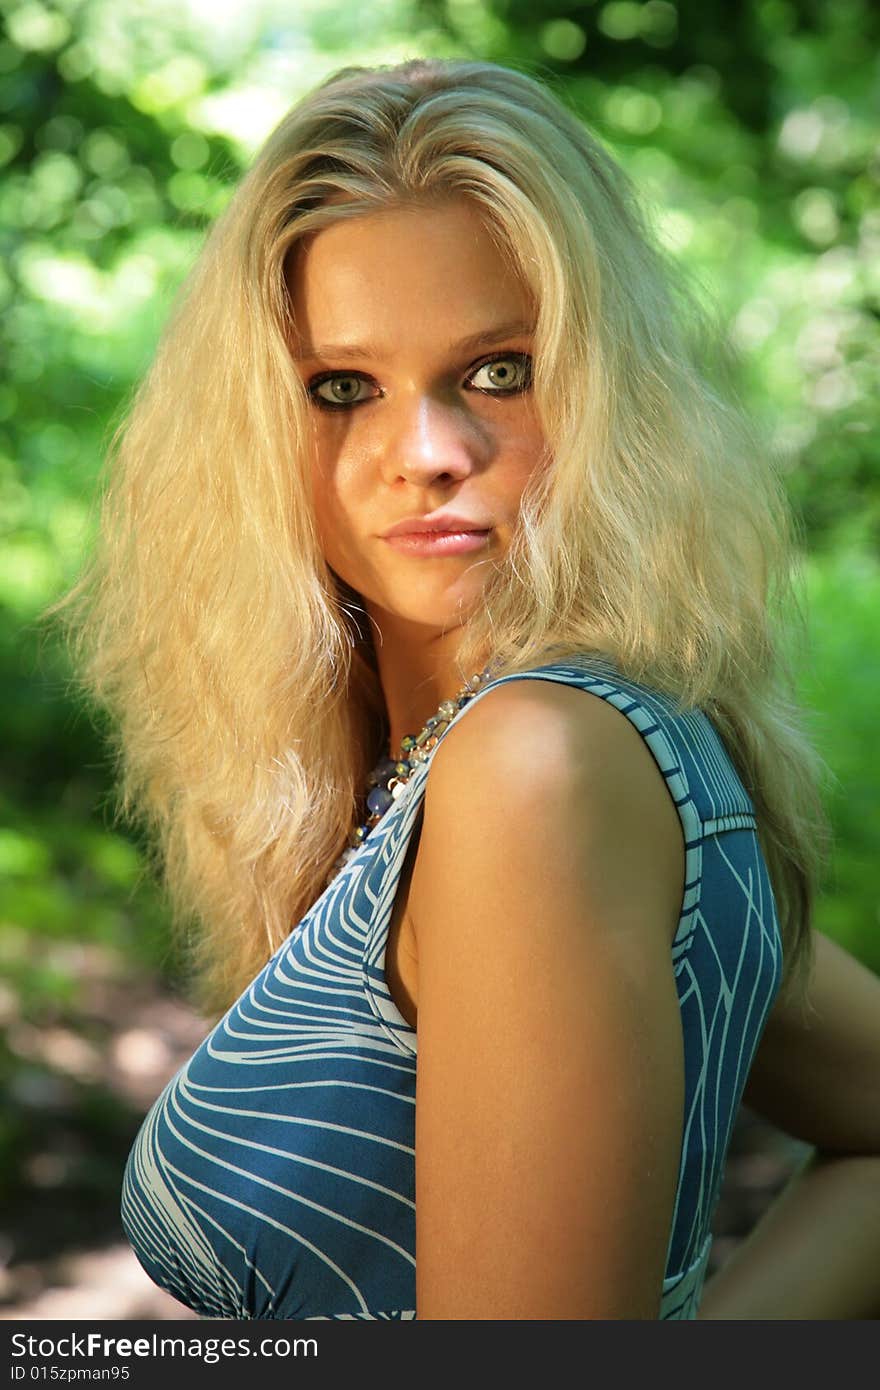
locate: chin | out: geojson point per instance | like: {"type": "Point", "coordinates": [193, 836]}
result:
{"type": "Point", "coordinates": [441, 611]}
{"type": "Point", "coordinates": [435, 617]}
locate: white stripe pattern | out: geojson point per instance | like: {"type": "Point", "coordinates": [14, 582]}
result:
{"type": "Point", "coordinates": [274, 1176]}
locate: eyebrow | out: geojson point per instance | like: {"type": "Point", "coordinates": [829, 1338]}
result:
{"type": "Point", "coordinates": [305, 352]}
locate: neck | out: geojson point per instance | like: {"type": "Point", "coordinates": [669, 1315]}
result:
{"type": "Point", "coordinates": [418, 669]}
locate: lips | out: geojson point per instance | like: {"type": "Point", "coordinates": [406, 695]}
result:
{"type": "Point", "coordinates": [441, 523]}
{"type": "Point", "coordinates": [438, 543]}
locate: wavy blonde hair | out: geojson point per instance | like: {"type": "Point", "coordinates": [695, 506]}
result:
{"type": "Point", "coordinates": [241, 683]}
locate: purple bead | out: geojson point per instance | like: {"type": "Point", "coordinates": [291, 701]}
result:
{"type": "Point", "coordinates": [378, 800]}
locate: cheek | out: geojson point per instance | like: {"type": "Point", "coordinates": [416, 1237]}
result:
{"type": "Point", "coordinates": [326, 508]}
{"type": "Point", "coordinates": [528, 454]}
{"type": "Point", "coordinates": [321, 501]}
{"type": "Point", "coordinates": [328, 481]}
{"type": "Point", "coordinates": [338, 493]}
{"type": "Point", "coordinates": [339, 467]}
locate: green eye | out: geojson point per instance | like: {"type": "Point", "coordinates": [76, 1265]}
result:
{"type": "Point", "coordinates": [503, 375]}
{"type": "Point", "coordinates": [339, 389]}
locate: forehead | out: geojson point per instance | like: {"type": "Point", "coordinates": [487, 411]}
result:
{"type": "Point", "coordinates": [434, 270]}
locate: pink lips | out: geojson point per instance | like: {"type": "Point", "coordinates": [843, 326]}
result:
{"type": "Point", "coordinates": [436, 521]}
{"type": "Point", "coordinates": [438, 542]}
{"type": "Point", "coordinates": [442, 533]}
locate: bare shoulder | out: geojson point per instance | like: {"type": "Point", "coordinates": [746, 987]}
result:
{"type": "Point", "coordinates": [549, 772]}
{"type": "Point", "coordinates": [565, 723]}
{"type": "Point", "coordinates": [544, 895]}
{"type": "Point", "coordinates": [816, 1073]}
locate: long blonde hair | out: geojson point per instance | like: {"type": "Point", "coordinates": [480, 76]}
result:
{"type": "Point", "coordinates": [242, 688]}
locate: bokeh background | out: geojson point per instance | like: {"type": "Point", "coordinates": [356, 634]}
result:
{"type": "Point", "coordinates": [752, 128]}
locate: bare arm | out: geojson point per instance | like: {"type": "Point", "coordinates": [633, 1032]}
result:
{"type": "Point", "coordinates": [550, 1078]}
{"type": "Point", "coordinates": [816, 1252]}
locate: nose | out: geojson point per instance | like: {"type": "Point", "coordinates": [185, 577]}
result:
{"type": "Point", "coordinates": [433, 440]}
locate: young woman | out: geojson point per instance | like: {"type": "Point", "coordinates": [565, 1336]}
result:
{"type": "Point", "coordinates": [435, 601]}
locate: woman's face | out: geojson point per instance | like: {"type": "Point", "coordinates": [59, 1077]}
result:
{"type": "Point", "coordinates": [414, 339]}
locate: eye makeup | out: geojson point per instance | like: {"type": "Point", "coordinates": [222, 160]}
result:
{"type": "Point", "coordinates": [521, 378]}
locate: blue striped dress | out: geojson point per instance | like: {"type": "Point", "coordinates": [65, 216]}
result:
{"type": "Point", "coordinates": [274, 1176]}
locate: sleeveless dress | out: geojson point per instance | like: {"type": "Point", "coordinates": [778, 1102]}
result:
{"type": "Point", "coordinates": [274, 1177]}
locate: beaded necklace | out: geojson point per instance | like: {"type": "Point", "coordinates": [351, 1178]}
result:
{"type": "Point", "coordinates": [390, 775]}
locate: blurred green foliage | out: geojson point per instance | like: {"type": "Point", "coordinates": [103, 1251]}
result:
{"type": "Point", "coordinates": [750, 127]}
